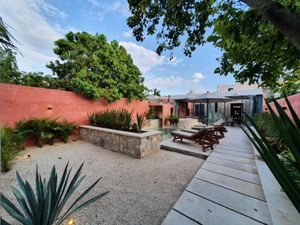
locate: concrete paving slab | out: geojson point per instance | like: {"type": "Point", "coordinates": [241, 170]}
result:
{"type": "Point", "coordinates": [234, 148]}
{"type": "Point", "coordinates": [235, 201]}
{"type": "Point", "coordinates": [232, 164]}
{"type": "Point", "coordinates": [232, 152]}
{"type": "Point", "coordinates": [185, 147]}
{"type": "Point", "coordinates": [233, 158]}
{"type": "Point", "coordinates": [174, 217]}
{"type": "Point", "coordinates": [242, 175]}
{"type": "Point", "coordinates": [250, 189]}
{"type": "Point", "coordinates": [208, 213]}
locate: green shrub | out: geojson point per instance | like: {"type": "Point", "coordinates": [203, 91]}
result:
{"type": "Point", "coordinates": [150, 114]}
{"type": "Point", "coordinates": [114, 119]}
{"type": "Point", "coordinates": [267, 126]}
{"type": "Point", "coordinates": [12, 142]}
{"type": "Point", "coordinates": [46, 130]}
{"type": "Point", "coordinates": [64, 130]}
{"type": "Point", "coordinates": [45, 205]}
{"type": "Point", "coordinates": [174, 119]}
{"type": "Point", "coordinates": [285, 167]}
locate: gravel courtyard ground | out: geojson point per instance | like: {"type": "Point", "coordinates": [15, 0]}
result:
{"type": "Point", "coordinates": [142, 191]}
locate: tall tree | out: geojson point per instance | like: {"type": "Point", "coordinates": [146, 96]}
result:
{"type": "Point", "coordinates": [96, 68]}
{"type": "Point", "coordinates": [259, 38]}
{"type": "Point", "coordinates": [156, 92]}
{"type": "Point", "coordinates": [9, 72]}
{"type": "Point", "coordinates": [6, 39]}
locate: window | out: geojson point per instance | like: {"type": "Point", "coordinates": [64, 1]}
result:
{"type": "Point", "coordinates": [216, 107]}
{"type": "Point", "coordinates": [230, 89]}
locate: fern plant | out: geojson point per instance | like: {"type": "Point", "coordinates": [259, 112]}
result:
{"type": "Point", "coordinates": [44, 206]}
{"type": "Point", "coordinates": [289, 130]}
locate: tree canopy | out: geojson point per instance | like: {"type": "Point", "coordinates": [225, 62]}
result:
{"type": "Point", "coordinates": [9, 72]}
{"type": "Point", "coordinates": [260, 39]}
{"type": "Point", "coordinates": [96, 68]}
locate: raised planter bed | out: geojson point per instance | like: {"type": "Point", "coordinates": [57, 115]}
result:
{"type": "Point", "coordinates": [137, 145]}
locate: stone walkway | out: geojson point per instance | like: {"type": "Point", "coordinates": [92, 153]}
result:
{"type": "Point", "coordinates": [226, 190]}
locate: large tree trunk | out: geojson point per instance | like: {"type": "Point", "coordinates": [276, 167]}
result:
{"type": "Point", "coordinates": [287, 22]}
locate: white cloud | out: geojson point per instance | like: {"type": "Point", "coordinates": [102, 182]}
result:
{"type": "Point", "coordinates": [145, 59]}
{"type": "Point", "coordinates": [34, 34]}
{"type": "Point", "coordinates": [101, 9]}
{"type": "Point", "coordinates": [174, 81]}
{"type": "Point", "coordinates": [49, 9]}
{"type": "Point", "coordinates": [164, 82]}
{"type": "Point", "coordinates": [64, 30]}
{"type": "Point", "coordinates": [197, 77]}
{"type": "Point", "coordinates": [127, 34]}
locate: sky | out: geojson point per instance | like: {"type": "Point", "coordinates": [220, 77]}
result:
{"type": "Point", "coordinates": [36, 24]}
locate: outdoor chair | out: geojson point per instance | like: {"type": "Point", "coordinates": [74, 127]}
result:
{"type": "Point", "coordinates": [202, 137]}
{"type": "Point", "coordinates": [220, 129]}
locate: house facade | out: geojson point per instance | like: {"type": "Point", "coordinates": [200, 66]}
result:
{"type": "Point", "coordinates": [242, 98]}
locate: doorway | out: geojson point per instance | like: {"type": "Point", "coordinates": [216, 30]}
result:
{"type": "Point", "coordinates": [236, 112]}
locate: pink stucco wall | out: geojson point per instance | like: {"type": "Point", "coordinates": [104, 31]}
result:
{"type": "Point", "coordinates": [294, 100]}
{"type": "Point", "coordinates": [22, 102]}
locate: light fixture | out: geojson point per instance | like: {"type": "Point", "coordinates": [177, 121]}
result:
{"type": "Point", "coordinates": [71, 222]}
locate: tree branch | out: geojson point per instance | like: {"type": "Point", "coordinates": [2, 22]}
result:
{"type": "Point", "coordinates": [287, 22]}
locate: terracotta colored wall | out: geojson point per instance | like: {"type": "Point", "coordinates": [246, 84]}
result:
{"type": "Point", "coordinates": [21, 102]}
{"type": "Point", "coordinates": [294, 100]}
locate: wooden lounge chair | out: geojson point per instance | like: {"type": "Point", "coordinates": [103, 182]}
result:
{"type": "Point", "coordinates": [201, 137]}
{"type": "Point", "coordinates": [216, 134]}
{"type": "Point", "coordinates": [221, 128]}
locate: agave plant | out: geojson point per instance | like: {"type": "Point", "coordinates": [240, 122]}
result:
{"type": "Point", "coordinates": [140, 121]}
{"type": "Point", "coordinates": [290, 131]}
{"type": "Point", "coordinates": [44, 206]}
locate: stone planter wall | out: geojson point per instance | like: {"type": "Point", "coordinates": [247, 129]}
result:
{"type": "Point", "coordinates": [133, 144]}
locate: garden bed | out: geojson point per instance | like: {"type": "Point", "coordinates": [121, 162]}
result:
{"type": "Point", "coordinates": [137, 145]}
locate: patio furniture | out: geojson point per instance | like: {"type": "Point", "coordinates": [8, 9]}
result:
{"type": "Point", "coordinates": [217, 134]}
{"type": "Point", "coordinates": [198, 127]}
{"type": "Point", "coordinates": [202, 136]}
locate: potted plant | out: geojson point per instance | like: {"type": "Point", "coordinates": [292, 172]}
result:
{"type": "Point", "coordinates": [174, 119]}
